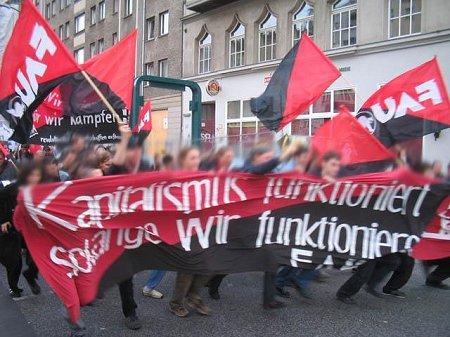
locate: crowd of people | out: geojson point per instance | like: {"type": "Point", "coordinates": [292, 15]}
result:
{"type": "Point", "coordinates": [81, 159]}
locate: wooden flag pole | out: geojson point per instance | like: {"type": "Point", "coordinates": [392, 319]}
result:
{"type": "Point", "coordinates": [102, 97]}
{"type": "Point", "coordinates": [13, 164]}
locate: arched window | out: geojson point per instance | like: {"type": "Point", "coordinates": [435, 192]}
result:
{"type": "Point", "coordinates": [303, 21]}
{"type": "Point", "coordinates": [267, 38]}
{"type": "Point", "coordinates": [204, 54]}
{"type": "Point", "coordinates": [237, 45]}
{"type": "Point", "coordinates": [343, 23]}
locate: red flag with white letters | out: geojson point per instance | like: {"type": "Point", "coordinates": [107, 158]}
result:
{"type": "Point", "coordinates": [144, 123]}
{"type": "Point", "coordinates": [35, 62]}
{"type": "Point", "coordinates": [412, 105]}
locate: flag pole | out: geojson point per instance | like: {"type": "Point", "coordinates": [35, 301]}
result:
{"type": "Point", "coordinates": [102, 97]}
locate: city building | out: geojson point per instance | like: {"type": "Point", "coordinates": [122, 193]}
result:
{"type": "Point", "coordinates": [88, 27]}
{"type": "Point", "coordinates": [231, 48]}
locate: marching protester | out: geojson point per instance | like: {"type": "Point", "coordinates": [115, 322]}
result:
{"type": "Point", "coordinates": [10, 240]}
{"type": "Point", "coordinates": [7, 170]}
{"type": "Point", "coordinates": [187, 286]}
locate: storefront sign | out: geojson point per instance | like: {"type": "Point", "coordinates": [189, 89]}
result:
{"type": "Point", "coordinates": [213, 87]}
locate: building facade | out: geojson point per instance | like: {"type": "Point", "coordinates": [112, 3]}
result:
{"type": "Point", "coordinates": [234, 46]}
{"type": "Point", "coordinates": [88, 27]}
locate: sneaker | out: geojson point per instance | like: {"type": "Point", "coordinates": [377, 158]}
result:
{"type": "Point", "coordinates": [283, 292]}
{"type": "Point", "coordinates": [15, 293]}
{"type": "Point", "coordinates": [178, 310]}
{"type": "Point", "coordinates": [199, 306]}
{"type": "Point", "coordinates": [133, 322]}
{"type": "Point", "coordinates": [146, 291]}
{"type": "Point", "coordinates": [374, 292]}
{"type": "Point", "coordinates": [438, 285]}
{"type": "Point", "coordinates": [346, 300]}
{"type": "Point", "coordinates": [34, 286]}
{"type": "Point", "coordinates": [273, 305]}
{"type": "Point", "coordinates": [395, 293]}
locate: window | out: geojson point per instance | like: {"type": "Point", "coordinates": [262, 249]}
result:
{"type": "Point", "coordinates": [61, 32]}
{"type": "Point", "coordinates": [303, 21]}
{"type": "Point", "coordinates": [128, 7]}
{"type": "Point", "coordinates": [343, 27]}
{"type": "Point", "coordinates": [148, 70]}
{"type": "Point", "coordinates": [79, 55]}
{"type": "Point", "coordinates": [243, 128]}
{"type": "Point", "coordinates": [101, 11]}
{"type": "Point", "coordinates": [163, 68]}
{"type": "Point", "coordinates": [267, 38]}
{"type": "Point", "coordinates": [404, 17]}
{"type": "Point", "coordinates": [101, 45]}
{"type": "Point", "coordinates": [164, 23]}
{"type": "Point", "coordinates": [115, 7]}
{"type": "Point", "coordinates": [67, 30]}
{"type": "Point", "coordinates": [150, 28]}
{"type": "Point", "coordinates": [325, 108]}
{"type": "Point", "coordinates": [53, 7]}
{"type": "Point", "coordinates": [204, 54]}
{"type": "Point", "coordinates": [62, 4]}
{"type": "Point", "coordinates": [93, 15]}
{"type": "Point", "coordinates": [79, 23]}
{"type": "Point", "coordinates": [92, 49]}
{"type": "Point", "coordinates": [237, 46]}
{"type": "Point", "coordinates": [114, 39]}
{"type": "Point", "coordinates": [47, 11]}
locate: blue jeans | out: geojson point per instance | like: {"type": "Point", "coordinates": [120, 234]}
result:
{"type": "Point", "coordinates": [300, 277]}
{"type": "Point", "coordinates": [154, 278]}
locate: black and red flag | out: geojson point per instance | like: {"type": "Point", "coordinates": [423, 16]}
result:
{"type": "Point", "coordinates": [74, 106]}
{"type": "Point", "coordinates": [300, 79]}
{"type": "Point", "coordinates": [35, 61]}
{"type": "Point", "coordinates": [412, 105]}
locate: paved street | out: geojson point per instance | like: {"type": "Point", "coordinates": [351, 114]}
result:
{"type": "Point", "coordinates": [239, 313]}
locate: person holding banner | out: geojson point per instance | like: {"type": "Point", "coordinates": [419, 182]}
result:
{"type": "Point", "coordinates": [187, 286]}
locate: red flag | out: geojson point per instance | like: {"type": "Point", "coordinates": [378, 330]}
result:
{"type": "Point", "coordinates": [344, 134]}
{"type": "Point", "coordinates": [35, 61]}
{"type": "Point", "coordinates": [300, 79]}
{"type": "Point", "coordinates": [145, 120]}
{"type": "Point", "coordinates": [412, 105]}
{"type": "Point", "coordinates": [50, 109]}
{"type": "Point", "coordinates": [116, 68]}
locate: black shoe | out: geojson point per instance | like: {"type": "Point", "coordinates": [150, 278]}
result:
{"type": "Point", "coordinates": [78, 333]}
{"type": "Point", "coordinates": [438, 285]}
{"type": "Point", "coordinates": [283, 292]}
{"type": "Point", "coordinates": [133, 322]}
{"type": "Point", "coordinates": [34, 286]}
{"type": "Point", "coordinates": [214, 294]}
{"type": "Point", "coordinates": [374, 292]}
{"type": "Point", "coordinates": [395, 293]}
{"type": "Point", "coordinates": [273, 305]}
{"type": "Point", "coordinates": [346, 299]}
{"type": "Point", "coordinates": [304, 292]}
{"type": "Point", "coordinates": [15, 293]}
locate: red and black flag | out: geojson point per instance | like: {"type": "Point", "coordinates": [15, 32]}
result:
{"type": "Point", "coordinates": [410, 106]}
{"type": "Point", "coordinates": [34, 63]}
{"type": "Point", "coordinates": [360, 151]}
{"type": "Point", "coordinates": [74, 106]}
{"type": "Point", "coordinates": [300, 79]}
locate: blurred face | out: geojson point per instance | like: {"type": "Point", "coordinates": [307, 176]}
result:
{"type": "Point", "coordinates": [301, 161]}
{"type": "Point", "coordinates": [134, 156]}
{"type": "Point", "coordinates": [78, 144]}
{"type": "Point", "coordinates": [331, 167]}
{"type": "Point", "coordinates": [192, 161]}
{"type": "Point", "coordinates": [437, 167]}
{"type": "Point", "coordinates": [262, 158]}
{"type": "Point", "coordinates": [39, 155]}
{"type": "Point", "coordinates": [34, 177]}
{"type": "Point", "coordinates": [95, 173]}
{"type": "Point", "coordinates": [51, 170]}
{"type": "Point", "coordinates": [226, 159]}
{"type": "Point", "coordinates": [105, 165]}
{"type": "Point", "coordinates": [429, 173]}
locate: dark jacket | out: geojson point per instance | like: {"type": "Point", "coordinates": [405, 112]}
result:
{"type": "Point", "coordinates": [263, 168]}
{"type": "Point", "coordinates": [8, 195]}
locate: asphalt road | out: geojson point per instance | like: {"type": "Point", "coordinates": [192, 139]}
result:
{"type": "Point", "coordinates": [426, 312]}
